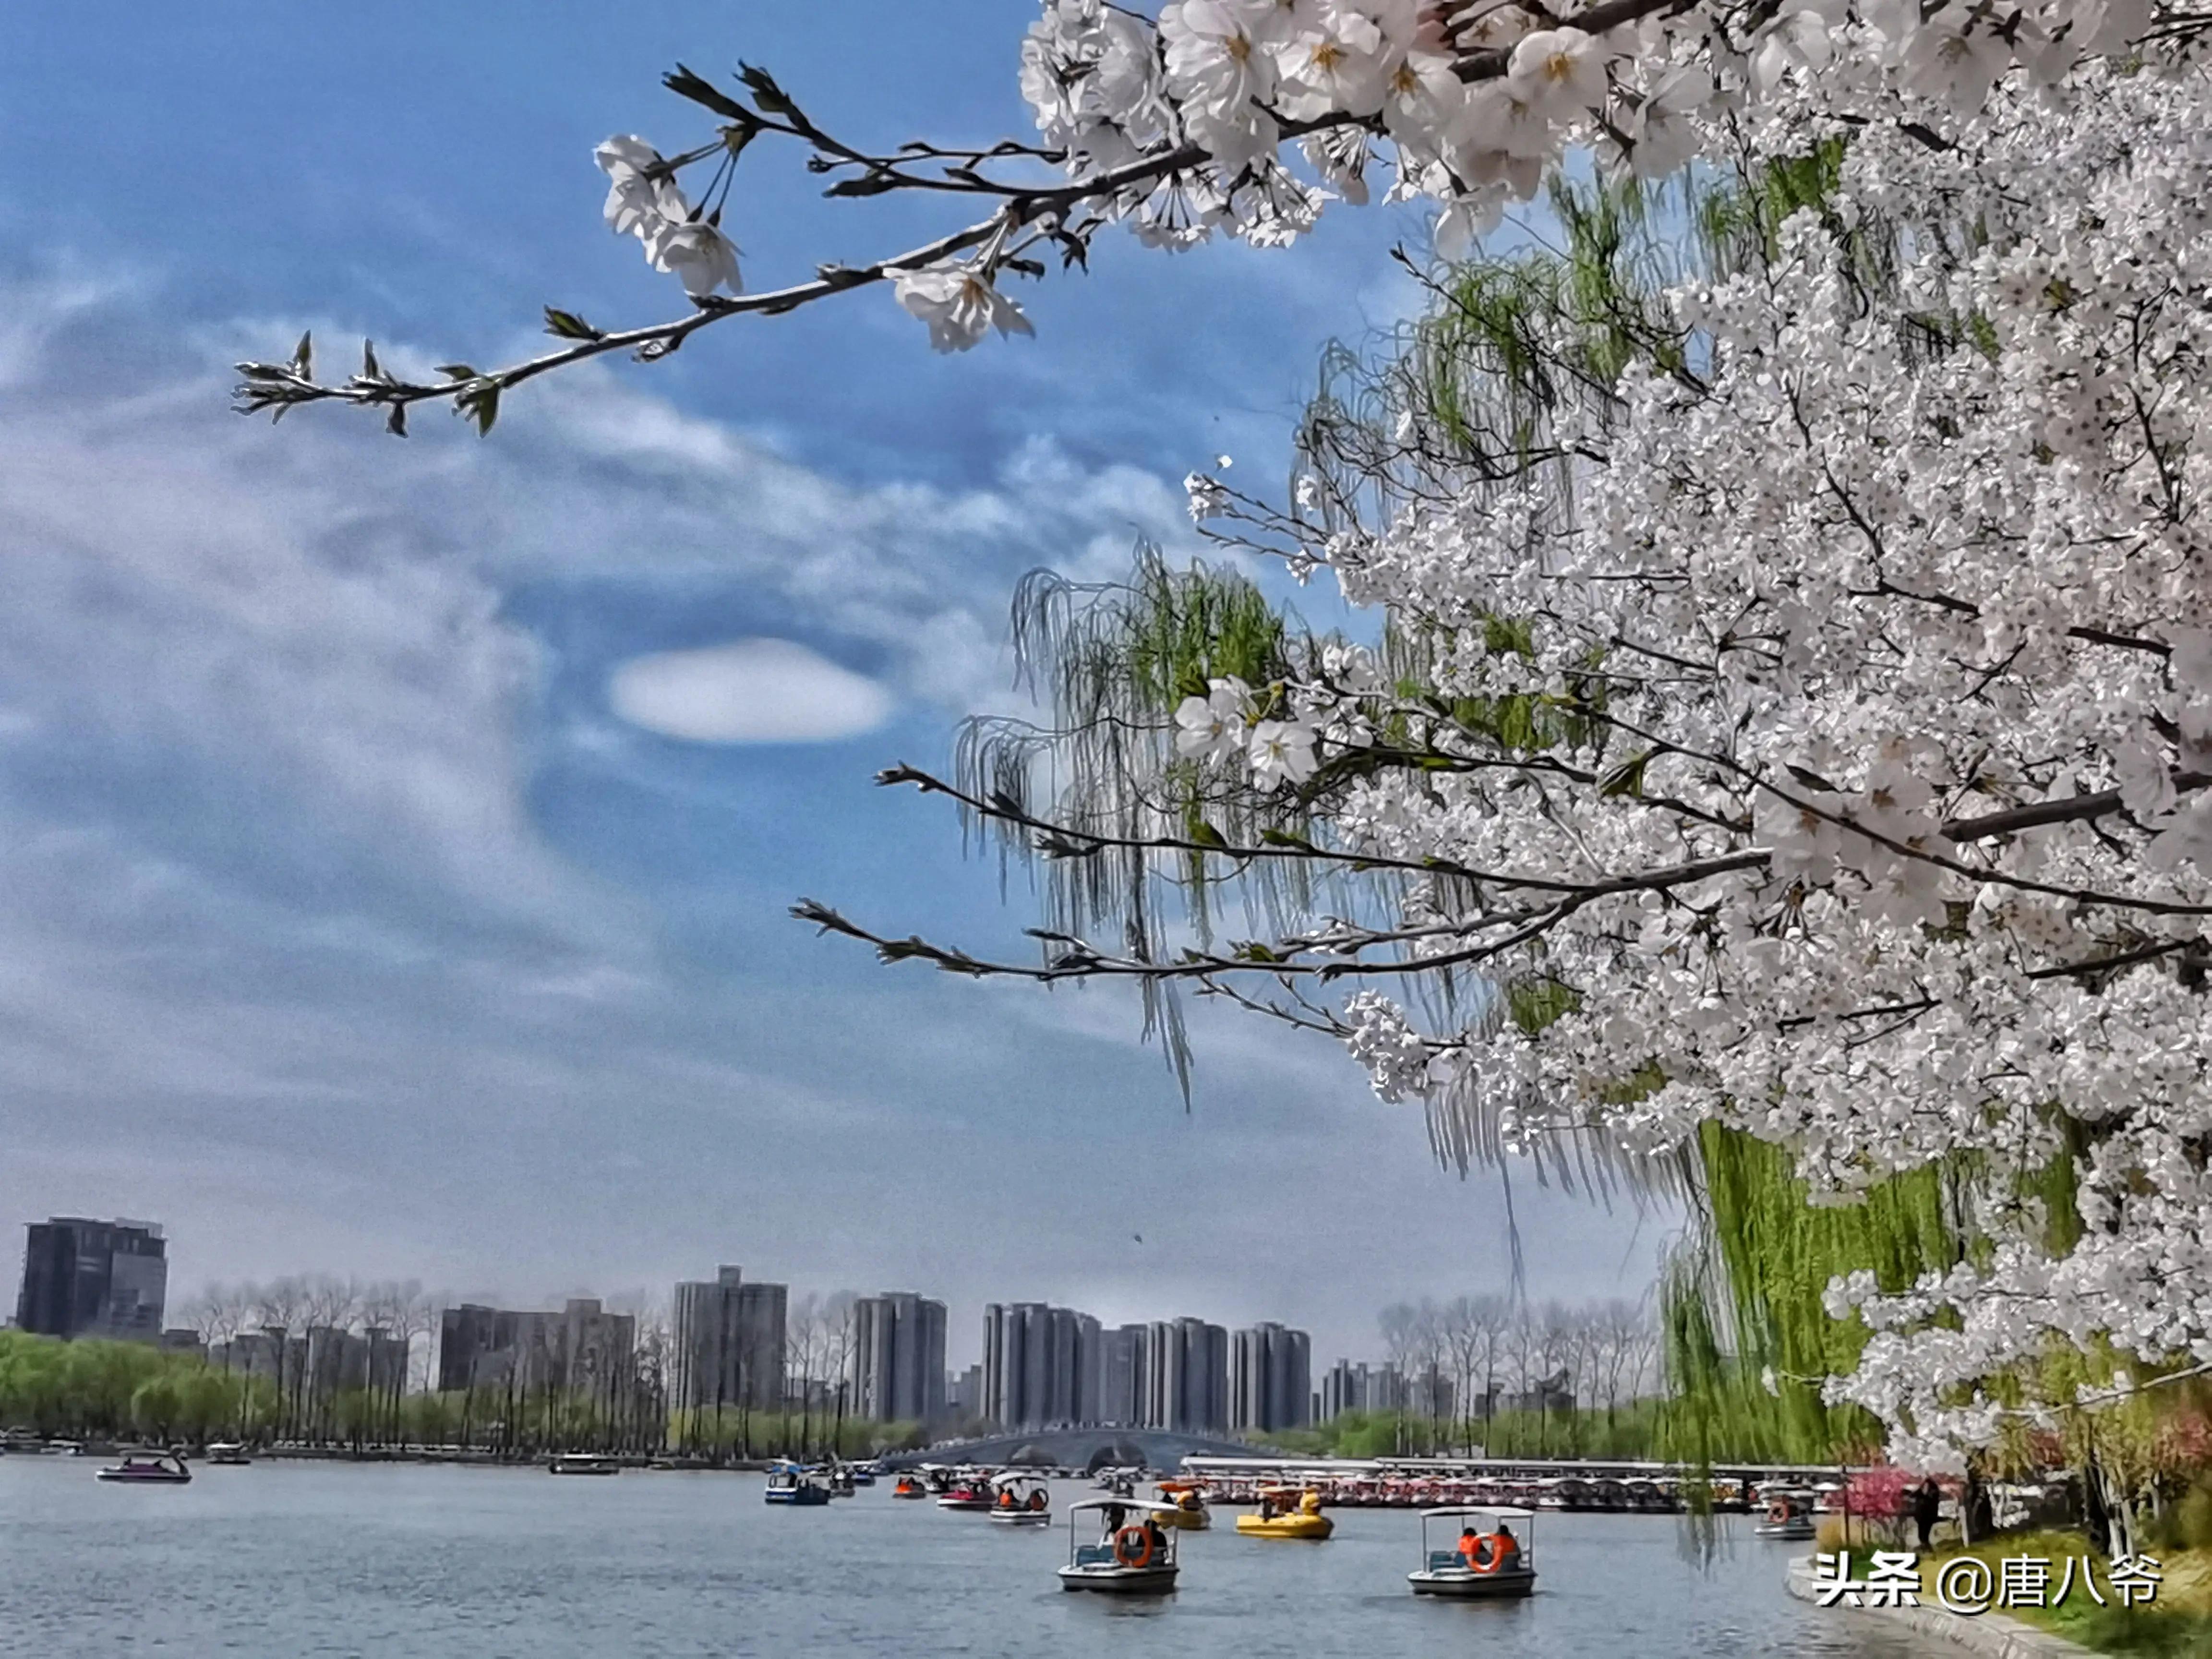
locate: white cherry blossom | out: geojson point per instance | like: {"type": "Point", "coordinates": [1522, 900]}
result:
{"type": "Point", "coordinates": [1560, 71]}
{"type": "Point", "coordinates": [640, 194]}
{"type": "Point", "coordinates": [1213, 727]}
{"type": "Point", "coordinates": [697, 252]}
{"type": "Point", "coordinates": [1282, 751]}
{"type": "Point", "coordinates": [959, 302]}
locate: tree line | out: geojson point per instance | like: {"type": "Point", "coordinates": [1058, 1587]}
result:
{"type": "Point", "coordinates": [317, 1362]}
{"type": "Point", "coordinates": [1496, 1374]}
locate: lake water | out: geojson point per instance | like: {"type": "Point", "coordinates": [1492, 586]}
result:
{"type": "Point", "coordinates": [288, 1559]}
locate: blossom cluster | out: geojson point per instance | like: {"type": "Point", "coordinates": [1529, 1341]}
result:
{"type": "Point", "coordinates": [1227, 724]}
{"type": "Point", "coordinates": [1887, 834]}
{"type": "Point", "coordinates": [644, 201]}
{"type": "Point", "coordinates": [1474, 99]}
{"type": "Point", "coordinates": [1247, 117]}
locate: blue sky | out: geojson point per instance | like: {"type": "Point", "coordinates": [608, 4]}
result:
{"type": "Point", "coordinates": [345, 924]}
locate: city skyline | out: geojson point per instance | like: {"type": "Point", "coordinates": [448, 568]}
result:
{"type": "Point", "coordinates": [962, 1317]}
{"type": "Point", "coordinates": [728, 1332]}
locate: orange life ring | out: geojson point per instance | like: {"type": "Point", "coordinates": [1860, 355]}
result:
{"type": "Point", "coordinates": [1778, 1511]}
{"type": "Point", "coordinates": [1489, 1553]}
{"type": "Point", "coordinates": [1133, 1547]}
{"type": "Point", "coordinates": [1036, 1500]}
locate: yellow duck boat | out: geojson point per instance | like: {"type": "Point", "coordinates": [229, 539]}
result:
{"type": "Point", "coordinates": [1189, 1512]}
{"type": "Point", "coordinates": [1306, 1521]}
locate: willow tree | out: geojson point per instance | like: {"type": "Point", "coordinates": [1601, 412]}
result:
{"type": "Point", "coordinates": [1199, 742]}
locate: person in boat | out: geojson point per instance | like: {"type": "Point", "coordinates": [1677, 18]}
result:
{"type": "Point", "coordinates": [1113, 1514]}
{"type": "Point", "coordinates": [1156, 1541]}
{"type": "Point", "coordinates": [1266, 1506]}
{"type": "Point", "coordinates": [1509, 1548]}
{"type": "Point", "coordinates": [1471, 1549]}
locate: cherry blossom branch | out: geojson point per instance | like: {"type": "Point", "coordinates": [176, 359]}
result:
{"type": "Point", "coordinates": [1079, 842]}
{"type": "Point", "coordinates": [2081, 808]}
{"type": "Point", "coordinates": [277, 387]}
{"type": "Point", "coordinates": [2071, 810]}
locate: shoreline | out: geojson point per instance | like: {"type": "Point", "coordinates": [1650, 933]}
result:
{"type": "Point", "coordinates": [1996, 1634]}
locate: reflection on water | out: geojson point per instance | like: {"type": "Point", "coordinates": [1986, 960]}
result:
{"type": "Point", "coordinates": [290, 1560]}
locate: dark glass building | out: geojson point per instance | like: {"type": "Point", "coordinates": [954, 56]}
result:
{"type": "Point", "coordinates": [103, 1279]}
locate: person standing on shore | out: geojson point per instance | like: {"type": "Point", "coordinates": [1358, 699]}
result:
{"type": "Point", "coordinates": [1927, 1505]}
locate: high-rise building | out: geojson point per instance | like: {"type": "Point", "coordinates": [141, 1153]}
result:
{"type": "Point", "coordinates": [598, 1350]}
{"type": "Point", "coordinates": [387, 1359]}
{"type": "Point", "coordinates": [1364, 1387]}
{"type": "Point", "coordinates": [1121, 1378]}
{"type": "Point", "coordinates": [1270, 1379]}
{"type": "Point", "coordinates": [337, 1361]}
{"type": "Point", "coordinates": [475, 1347]}
{"type": "Point", "coordinates": [729, 1342]}
{"type": "Point", "coordinates": [1043, 1367]}
{"type": "Point", "coordinates": [101, 1279]}
{"type": "Point", "coordinates": [1185, 1377]}
{"type": "Point", "coordinates": [581, 1349]}
{"type": "Point", "coordinates": [898, 1357]}
{"type": "Point", "coordinates": [963, 1395]}
{"type": "Point", "coordinates": [250, 1354]}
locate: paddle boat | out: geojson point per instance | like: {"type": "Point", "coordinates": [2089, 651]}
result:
{"type": "Point", "coordinates": [1190, 1513]}
{"type": "Point", "coordinates": [788, 1484]}
{"type": "Point", "coordinates": [1023, 1500]}
{"type": "Point", "coordinates": [1788, 1515]}
{"type": "Point", "coordinates": [1135, 1551]}
{"type": "Point", "coordinates": [973, 1491]}
{"type": "Point", "coordinates": [583, 1463]}
{"type": "Point", "coordinates": [909, 1485]}
{"type": "Point", "coordinates": [1487, 1559]}
{"type": "Point", "coordinates": [148, 1469]}
{"type": "Point", "coordinates": [1286, 1513]}
{"type": "Point", "coordinates": [863, 1474]}
{"type": "Point", "coordinates": [229, 1454]}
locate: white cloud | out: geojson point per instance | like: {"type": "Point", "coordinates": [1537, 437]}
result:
{"type": "Point", "coordinates": [755, 690]}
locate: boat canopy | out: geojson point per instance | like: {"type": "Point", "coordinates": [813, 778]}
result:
{"type": "Point", "coordinates": [1122, 1503]}
{"type": "Point", "coordinates": [1502, 1512]}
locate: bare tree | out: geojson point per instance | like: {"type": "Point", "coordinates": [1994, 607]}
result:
{"type": "Point", "coordinates": [802, 1338]}
{"type": "Point", "coordinates": [648, 1385]}
{"type": "Point", "coordinates": [1490, 1317]}
{"type": "Point", "coordinates": [840, 1333]}
{"type": "Point", "coordinates": [1458, 1331]}
{"type": "Point", "coordinates": [279, 1307]}
{"type": "Point", "coordinates": [208, 1314]}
